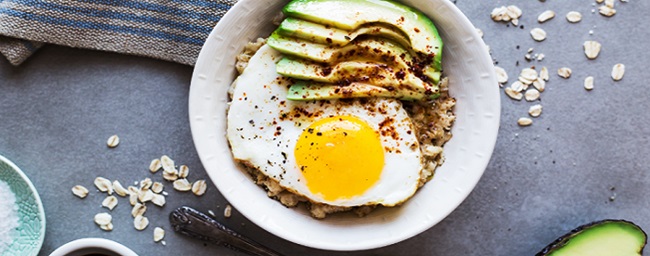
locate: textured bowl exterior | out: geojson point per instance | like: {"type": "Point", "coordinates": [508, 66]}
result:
{"type": "Point", "coordinates": [472, 82]}
{"type": "Point", "coordinates": [31, 230]}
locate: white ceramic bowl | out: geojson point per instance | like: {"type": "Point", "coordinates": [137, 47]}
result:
{"type": "Point", "coordinates": [472, 82]}
{"type": "Point", "coordinates": [93, 246]}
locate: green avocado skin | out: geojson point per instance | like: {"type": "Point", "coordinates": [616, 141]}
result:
{"type": "Point", "coordinates": [606, 237]}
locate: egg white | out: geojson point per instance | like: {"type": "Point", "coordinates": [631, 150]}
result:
{"type": "Point", "coordinates": [262, 131]}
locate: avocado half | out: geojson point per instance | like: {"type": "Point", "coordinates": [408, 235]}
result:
{"type": "Point", "coordinates": [605, 237]}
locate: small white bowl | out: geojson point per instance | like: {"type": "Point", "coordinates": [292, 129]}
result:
{"type": "Point", "coordinates": [90, 246]}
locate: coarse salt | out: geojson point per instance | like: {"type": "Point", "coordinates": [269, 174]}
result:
{"type": "Point", "coordinates": [8, 216]}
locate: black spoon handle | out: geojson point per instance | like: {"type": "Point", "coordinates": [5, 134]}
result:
{"type": "Point", "coordinates": [193, 223]}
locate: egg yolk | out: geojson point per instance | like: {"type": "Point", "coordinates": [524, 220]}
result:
{"type": "Point", "coordinates": [340, 157]}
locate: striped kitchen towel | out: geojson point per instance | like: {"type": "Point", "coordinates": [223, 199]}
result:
{"type": "Point", "coordinates": [172, 30]}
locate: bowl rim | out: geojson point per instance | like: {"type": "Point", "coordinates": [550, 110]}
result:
{"type": "Point", "coordinates": [37, 198]}
{"type": "Point", "coordinates": [93, 242]}
{"type": "Point", "coordinates": [197, 122]}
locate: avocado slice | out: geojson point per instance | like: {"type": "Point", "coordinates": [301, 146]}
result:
{"type": "Point", "coordinates": [606, 238]}
{"type": "Point", "coordinates": [308, 90]}
{"type": "Point", "coordinates": [351, 14]}
{"type": "Point", "coordinates": [371, 73]}
{"type": "Point", "coordinates": [323, 34]}
{"type": "Point", "coordinates": [378, 49]}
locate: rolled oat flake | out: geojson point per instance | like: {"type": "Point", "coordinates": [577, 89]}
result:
{"type": "Point", "coordinates": [618, 71]}
{"type": "Point", "coordinates": [8, 216]}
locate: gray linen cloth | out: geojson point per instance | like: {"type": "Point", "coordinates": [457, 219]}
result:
{"type": "Point", "coordinates": [172, 30]}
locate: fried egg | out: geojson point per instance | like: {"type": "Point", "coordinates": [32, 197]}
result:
{"type": "Point", "coordinates": [337, 152]}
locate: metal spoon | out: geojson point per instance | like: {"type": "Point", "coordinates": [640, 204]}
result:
{"type": "Point", "coordinates": [193, 223]}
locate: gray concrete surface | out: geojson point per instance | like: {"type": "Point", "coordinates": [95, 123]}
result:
{"type": "Point", "coordinates": [58, 109]}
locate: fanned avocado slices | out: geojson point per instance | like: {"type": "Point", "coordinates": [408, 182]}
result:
{"type": "Point", "coordinates": [377, 49]}
{"type": "Point", "coordinates": [601, 238]}
{"type": "Point", "coordinates": [341, 34]}
{"type": "Point", "coordinates": [351, 14]}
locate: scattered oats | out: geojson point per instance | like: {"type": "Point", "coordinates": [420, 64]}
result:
{"type": "Point", "coordinates": [592, 49]}
{"type": "Point", "coordinates": [499, 14]}
{"type": "Point", "coordinates": [515, 95]}
{"type": "Point", "coordinates": [564, 72]}
{"type": "Point", "coordinates": [532, 95]}
{"type": "Point", "coordinates": [119, 189]}
{"type": "Point", "coordinates": [182, 185]}
{"type": "Point", "coordinates": [212, 213]}
{"type": "Point", "coordinates": [140, 222]}
{"type": "Point", "coordinates": [518, 86]}
{"type": "Point", "coordinates": [167, 164]}
{"type": "Point", "coordinates": [145, 195]}
{"type": "Point", "coordinates": [528, 57]}
{"type": "Point", "coordinates": [104, 185]}
{"type": "Point", "coordinates": [543, 74]}
{"type": "Point", "coordinates": [538, 34]}
{"type": "Point", "coordinates": [589, 83]}
{"type": "Point", "coordinates": [510, 13]}
{"type": "Point", "coordinates": [591, 31]}
{"type": "Point", "coordinates": [103, 218]}
{"type": "Point", "coordinates": [138, 210]}
{"type": "Point", "coordinates": [158, 200]}
{"type": "Point", "coordinates": [183, 171]}
{"type": "Point", "coordinates": [599, 1]}
{"type": "Point", "coordinates": [165, 193]}
{"type": "Point", "coordinates": [540, 56]}
{"type": "Point", "coordinates": [113, 141]}
{"type": "Point", "coordinates": [606, 11]}
{"type": "Point", "coordinates": [163, 243]}
{"type": "Point", "coordinates": [133, 195]}
{"type": "Point", "coordinates": [530, 50]}
{"type": "Point", "coordinates": [158, 234]}
{"type": "Point", "coordinates": [539, 84]}
{"type": "Point", "coordinates": [145, 184]}
{"type": "Point", "coordinates": [535, 110]}
{"type": "Point", "coordinates": [170, 176]}
{"type": "Point", "coordinates": [546, 15]}
{"type": "Point", "coordinates": [574, 17]}
{"type": "Point", "coordinates": [502, 76]}
{"type": "Point", "coordinates": [618, 71]}
{"type": "Point", "coordinates": [480, 32]}
{"type": "Point", "coordinates": [609, 3]}
{"type": "Point", "coordinates": [515, 22]}
{"type": "Point", "coordinates": [514, 12]}
{"type": "Point", "coordinates": [110, 202]}
{"type": "Point", "coordinates": [155, 165]}
{"type": "Point", "coordinates": [228, 211]}
{"type": "Point", "coordinates": [80, 191]}
{"type": "Point", "coordinates": [107, 227]}
{"type": "Point", "coordinates": [527, 76]}
{"type": "Point", "coordinates": [524, 121]}
{"type": "Point", "coordinates": [199, 187]}
{"type": "Point", "coordinates": [157, 187]}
